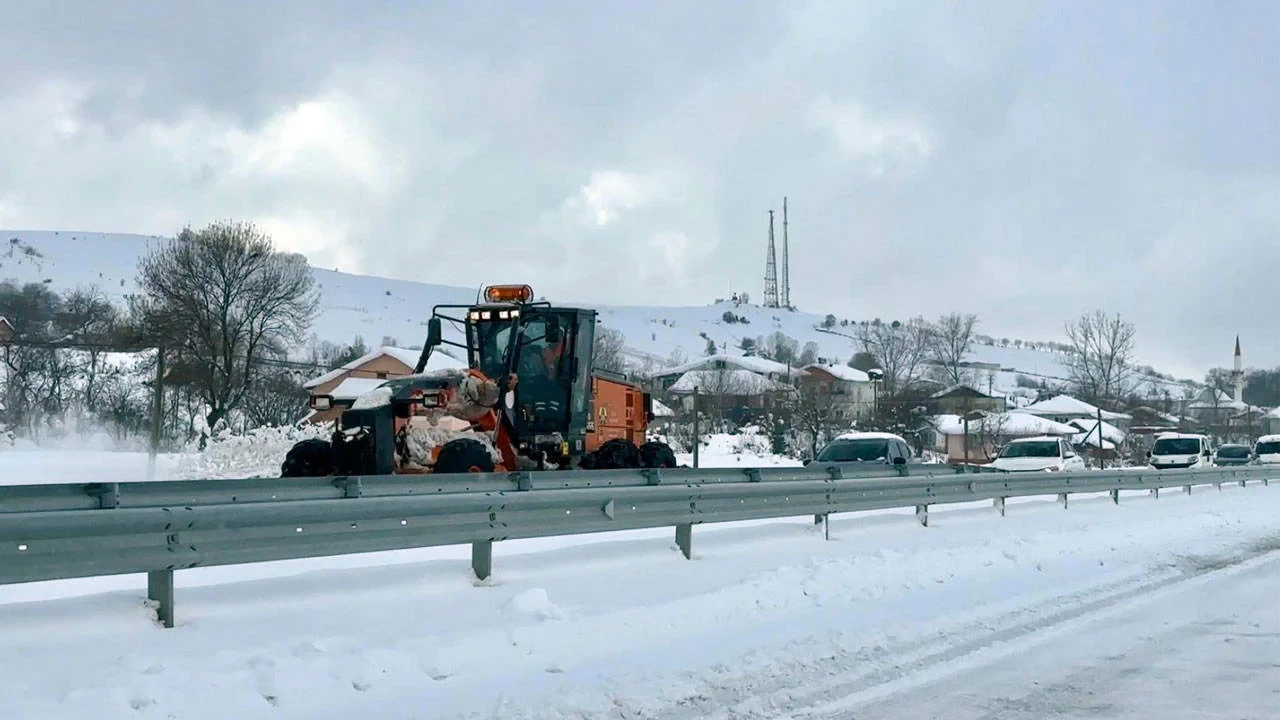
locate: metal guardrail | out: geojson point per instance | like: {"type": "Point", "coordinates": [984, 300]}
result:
{"type": "Point", "coordinates": [50, 532]}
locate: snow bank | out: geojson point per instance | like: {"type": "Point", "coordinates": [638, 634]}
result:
{"type": "Point", "coordinates": [257, 453]}
{"type": "Point", "coordinates": [749, 448]}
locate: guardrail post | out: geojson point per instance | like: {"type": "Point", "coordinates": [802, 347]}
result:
{"type": "Point", "coordinates": [1218, 485]}
{"type": "Point", "coordinates": [1187, 488]}
{"type": "Point", "coordinates": [482, 559]}
{"type": "Point", "coordinates": [1115, 496]}
{"type": "Point", "coordinates": [1062, 498]}
{"type": "Point", "coordinates": [1242, 483]}
{"type": "Point", "coordinates": [109, 496]}
{"type": "Point", "coordinates": [819, 518]}
{"type": "Point", "coordinates": [684, 539]}
{"type": "Point", "coordinates": [1155, 493]}
{"type": "Point", "coordinates": [160, 592]}
{"type": "Point", "coordinates": [999, 505]}
{"type": "Point", "coordinates": [922, 514]}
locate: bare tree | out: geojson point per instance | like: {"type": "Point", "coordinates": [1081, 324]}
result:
{"type": "Point", "coordinates": [809, 355]}
{"type": "Point", "coordinates": [606, 353]}
{"type": "Point", "coordinates": [276, 398]}
{"type": "Point", "coordinates": [901, 348]}
{"type": "Point", "coordinates": [950, 342]}
{"type": "Point", "coordinates": [778, 347]}
{"type": "Point", "coordinates": [815, 412]}
{"type": "Point", "coordinates": [87, 317]}
{"type": "Point", "coordinates": [1100, 361]}
{"type": "Point", "coordinates": [223, 300]}
{"type": "Point", "coordinates": [988, 435]}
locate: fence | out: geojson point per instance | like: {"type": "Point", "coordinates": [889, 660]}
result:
{"type": "Point", "coordinates": [50, 532]}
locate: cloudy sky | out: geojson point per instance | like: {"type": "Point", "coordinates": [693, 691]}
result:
{"type": "Point", "coordinates": [1024, 161]}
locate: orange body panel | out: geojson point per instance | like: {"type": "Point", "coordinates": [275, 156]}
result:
{"type": "Point", "coordinates": [618, 412]}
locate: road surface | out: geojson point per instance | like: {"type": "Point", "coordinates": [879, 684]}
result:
{"type": "Point", "coordinates": [1203, 647]}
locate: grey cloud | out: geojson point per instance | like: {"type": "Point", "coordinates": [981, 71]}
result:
{"type": "Point", "coordinates": [1026, 161]}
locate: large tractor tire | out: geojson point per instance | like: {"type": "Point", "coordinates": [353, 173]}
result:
{"type": "Point", "coordinates": [654, 454]}
{"type": "Point", "coordinates": [309, 458]}
{"type": "Point", "coordinates": [616, 454]}
{"type": "Point", "coordinates": [462, 455]}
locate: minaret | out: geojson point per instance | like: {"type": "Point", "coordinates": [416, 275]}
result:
{"type": "Point", "coordinates": [1238, 373]}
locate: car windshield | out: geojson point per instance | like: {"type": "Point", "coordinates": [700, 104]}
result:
{"type": "Point", "coordinates": [1233, 451]}
{"type": "Point", "coordinates": [1271, 447]}
{"type": "Point", "coordinates": [855, 451]}
{"type": "Point", "coordinates": [1176, 446]}
{"type": "Point", "coordinates": [1034, 449]}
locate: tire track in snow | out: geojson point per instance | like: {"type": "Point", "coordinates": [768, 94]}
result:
{"type": "Point", "coordinates": [843, 681]}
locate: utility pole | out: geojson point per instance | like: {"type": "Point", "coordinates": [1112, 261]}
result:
{"type": "Point", "coordinates": [786, 259]}
{"type": "Point", "coordinates": [697, 439]}
{"type": "Point", "coordinates": [1101, 462]}
{"type": "Point", "coordinates": [157, 413]}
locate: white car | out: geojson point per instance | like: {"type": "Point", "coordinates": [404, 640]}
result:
{"type": "Point", "coordinates": [868, 447]}
{"type": "Point", "coordinates": [1178, 450]}
{"type": "Point", "coordinates": [1267, 451]}
{"type": "Point", "coordinates": [1046, 453]}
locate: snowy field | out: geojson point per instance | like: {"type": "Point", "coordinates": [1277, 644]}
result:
{"type": "Point", "coordinates": [769, 620]}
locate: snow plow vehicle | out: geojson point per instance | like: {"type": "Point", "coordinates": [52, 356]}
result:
{"type": "Point", "coordinates": [528, 400]}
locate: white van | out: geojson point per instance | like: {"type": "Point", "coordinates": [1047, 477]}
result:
{"type": "Point", "coordinates": [1267, 451]}
{"type": "Point", "coordinates": [1177, 450]}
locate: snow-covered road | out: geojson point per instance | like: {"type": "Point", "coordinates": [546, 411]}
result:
{"type": "Point", "coordinates": [1204, 646]}
{"type": "Point", "coordinates": [769, 620]}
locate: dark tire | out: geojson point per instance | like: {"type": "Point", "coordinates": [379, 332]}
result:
{"type": "Point", "coordinates": [616, 454]}
{"type": "Point", "coordinates": [462, 455]}
{"type": "Point", "coordinates": [309, 458]}
{"type": "Point", "coordinates": [654, 454]}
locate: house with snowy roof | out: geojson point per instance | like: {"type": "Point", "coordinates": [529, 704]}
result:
{"type": "Point", "coordinates": [961, 399]}
{"type": "Point", "coordinates": [988, 432]}
{"type": "Point", "coordinates": [1064, 408]}
{"type": "Point", "coordinates": [730, 392]}
{"type": "Point", "coordinates": [342, 385]}
{"type": "Point", "coordinates": [851, 392]}
{"type": "Point", "coordinates": [665, 378]}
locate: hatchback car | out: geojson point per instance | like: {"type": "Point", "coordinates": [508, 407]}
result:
{"type": "Point", "coordinates": [867, 447]}
{"type": "Point", "coordinates": [1232, 455]}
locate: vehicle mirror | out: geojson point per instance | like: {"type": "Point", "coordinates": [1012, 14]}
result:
{"type": "Point", "coordinates": [1069, 454]}
{"type": "Point", "coordinates": [433, 332]}
{"type": "Point", "coordinates": [806, 462]}
{"type": "Point", "coordinates": [899, 460]}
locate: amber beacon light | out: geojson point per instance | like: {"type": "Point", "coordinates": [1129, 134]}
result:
{"type": "Point", "coordinates": [508, 293]}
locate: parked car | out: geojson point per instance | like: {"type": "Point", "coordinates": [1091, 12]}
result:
{"type": "Point", "coordinates": [1267, 450]}
{"type": "Point", "coordinates": [1232, 454]}
{"type": "Point", "coordinates": [868, 447]}
{"type": "Point", "coordinates": [1038, 454]}
{"type": "Point", "coordinates": [1178, 450]}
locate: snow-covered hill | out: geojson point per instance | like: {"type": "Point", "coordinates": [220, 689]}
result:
{"type": "Point", "coordinates": [375, 307]}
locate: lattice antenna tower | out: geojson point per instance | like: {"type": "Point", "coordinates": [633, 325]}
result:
{"type": "Point", "coordinates": [771, 271]}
